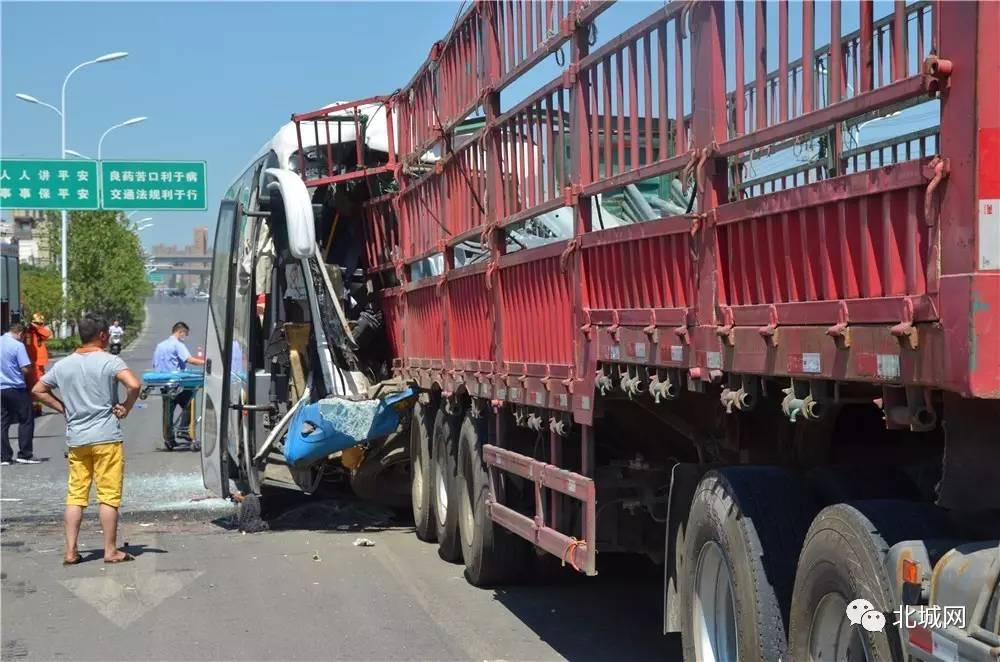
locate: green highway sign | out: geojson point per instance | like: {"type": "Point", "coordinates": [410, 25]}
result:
{"type": "Point", "coordinates": [56, 184]}
{"type": "Point", "coordinates": [153, 185]}
{"type": "Point", "coordinates": [154, 277]}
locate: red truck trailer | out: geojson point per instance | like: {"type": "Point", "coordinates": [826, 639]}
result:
{"type": "Point", "coordinates": [680, 302]}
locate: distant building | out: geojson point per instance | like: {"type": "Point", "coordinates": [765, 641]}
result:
{"type": "Point", "coordinates": [191, 264]}
{"type": "Point", "coordinates": [32, 231]}
{"type": "Point", "coordinates": [200, 245]}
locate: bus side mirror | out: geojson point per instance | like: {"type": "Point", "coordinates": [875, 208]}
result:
{"type": "Point", "coordinates": [299, 221]}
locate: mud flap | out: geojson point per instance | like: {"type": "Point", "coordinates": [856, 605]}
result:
{"type": "Point", "coordinates": [684, 478]}
{"type": "Point", "coordinates": [968, 479]}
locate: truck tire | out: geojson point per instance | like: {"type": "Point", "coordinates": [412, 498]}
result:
{"type": "Point", "coordinates": [744, 531]}
{"type": "Point", "coordinates": [843, 559]}
{"type": "Point", "coordinates": [493, 555]}
{"type": "Point", "coordinates": [421, 479]}
{"type": "Point", "coordinates": [445, 492]}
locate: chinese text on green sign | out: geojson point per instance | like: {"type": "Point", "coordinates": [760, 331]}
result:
{"type": "Point", "coordinates": [153, 184]}
{"type": "Point", "coordinates": [35, 184]}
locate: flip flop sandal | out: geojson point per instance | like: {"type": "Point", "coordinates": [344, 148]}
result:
{"type": "Point", "coordinates": [76, 560]}
{"type": "Point", "coordinates": [124, 559]}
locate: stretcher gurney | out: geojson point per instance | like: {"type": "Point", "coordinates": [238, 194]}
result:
{"type": "Point", "coordinates": [170, 383]}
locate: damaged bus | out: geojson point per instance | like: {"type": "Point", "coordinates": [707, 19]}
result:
{"type": "Point", "coordinates": [290, 320]}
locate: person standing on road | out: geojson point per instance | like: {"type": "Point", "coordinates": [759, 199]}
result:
{"type": "Point", "coordinates": [88, 382]}
{"type": "Point", "coordinates": [116, 333]}
{"type": "Point", "coordinates": [172, 355]}
{"type": "Point", "coordinates": [35, 337]}
{"type": "Point", "coordinates": [15, 366]}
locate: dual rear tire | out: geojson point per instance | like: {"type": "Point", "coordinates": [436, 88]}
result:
{"type": "Point", "coordinates": [744, 531]}
{"type": "Point", "coordinates": [446, 488]}
{"type": "Point", "coordinates": [436, 484]}
{"type": "Point", "coordinates": [492, 554]}
{"type": "Point", "coordinates": [421, 482]}
{"type": "Point", "coordinates": [842, 560]}
{"type": "Point", "coordinates": [450, 493]}
{"type": "Point", "coordinates": [762, 579]}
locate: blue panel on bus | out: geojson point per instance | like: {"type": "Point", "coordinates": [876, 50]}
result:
{"type": "Point", "coordinates": [334, 424]}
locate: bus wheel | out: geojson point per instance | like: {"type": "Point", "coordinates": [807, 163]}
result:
{"type": "Point", "coordinates": [744, 532]}
{"type": "Point", "coordinates": [445, 493]}
{"type": "Point", "coordinates": [843, 560]}
{"type": "Point", "coordinates": [421, 430]}
{"type": "Point", "coordinates": [493, 555]}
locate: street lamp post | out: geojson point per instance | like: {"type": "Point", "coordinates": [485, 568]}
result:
{"type": "Point", "coordinates": [100, 144]}
{"type": "Point", "coordinates": [61, 111]}
{"type": "Point", "coordinates": [130, 122]}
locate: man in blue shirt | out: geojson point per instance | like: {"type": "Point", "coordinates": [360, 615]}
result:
{"type": "Point", "coordinates": [16, 402]}
{"type": "Point", "coordinates": [172, 355]}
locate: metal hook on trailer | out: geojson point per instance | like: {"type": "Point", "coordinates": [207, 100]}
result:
{"type": "Point", "coordinates": [602, 382]}
{"type": "Point", "coordinates": [630, 381]}
{"type": "Point", "coordinates": [941, 168]}
{"type": "Point", "coordinates": [535, 422]}
{"type": "Point", "coordinates": [743, 398]}
{"type": "Point", "coordinates": [807, 399]}
{"type": "Point", "coordinates": [663, 384]}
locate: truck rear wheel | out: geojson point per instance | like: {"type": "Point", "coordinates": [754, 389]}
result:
{"type": "Point", "coordinates": [843, 560]}
{"type": "Point", "coordinates": [421, 430]}
{"type": "Point", "coordinates": [744, 532]}
{"type": "Point", "coordinates": [492, 554]}
{"type": "Point", "coordinates": [445, 494]}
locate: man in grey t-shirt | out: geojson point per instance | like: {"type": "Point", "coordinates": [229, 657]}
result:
{"type": "Point", "coordinates": [87, 381]}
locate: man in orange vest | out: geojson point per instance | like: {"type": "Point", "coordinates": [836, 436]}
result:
{"type": "Point", "coordinates": [35, 337]}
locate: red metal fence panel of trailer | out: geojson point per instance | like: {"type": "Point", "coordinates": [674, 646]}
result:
{"type": "Point", "coordinates": [470, 325]}
{"type": "Point", "coordinates": [424, 323]}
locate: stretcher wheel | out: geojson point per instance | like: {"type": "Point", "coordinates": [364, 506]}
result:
{"type": "Point", "coordinates": [143, 393]}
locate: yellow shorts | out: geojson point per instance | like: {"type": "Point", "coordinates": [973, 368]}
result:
{"type": "Point", "coordinates": [103, 464]}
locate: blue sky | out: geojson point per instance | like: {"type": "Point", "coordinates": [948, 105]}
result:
{"type": "Point", "coordinates": [217, 79]}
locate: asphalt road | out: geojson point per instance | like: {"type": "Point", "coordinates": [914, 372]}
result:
{"type": "Point", "coordinates": [201, 590]}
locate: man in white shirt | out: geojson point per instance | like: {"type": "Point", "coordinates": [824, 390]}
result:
{"type": "Point", "coordinates": [115, 335]}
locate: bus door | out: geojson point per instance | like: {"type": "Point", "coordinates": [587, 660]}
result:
{"type": "Point", "coordinates": [215, 431]}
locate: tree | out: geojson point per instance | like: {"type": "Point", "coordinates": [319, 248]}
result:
{"type": "Point", "coordinates": [106, 267]}
{"type": "Point", "coordinates": [42, 291]}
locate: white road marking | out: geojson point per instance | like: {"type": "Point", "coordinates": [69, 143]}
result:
{"type": "Point", "coordinates": [123, 601]}
{"type": "Point", "coordinates": [127, 592]}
